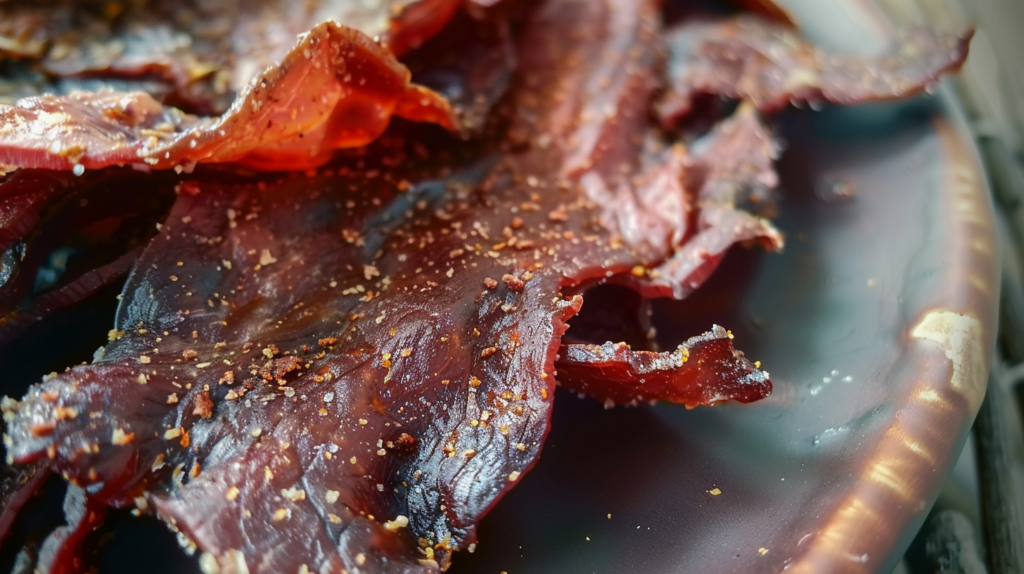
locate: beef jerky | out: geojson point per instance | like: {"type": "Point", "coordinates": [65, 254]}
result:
{"type": "Point", "coordinates": [470, 63]}
{"type": "Point", "coordinates": [336, 88]}
{"type": "Point", "coordinates": [204, 52]}
{"type": "Point", "coordinates": [732, 176]}
{"type": "Point", "coordinates": [702, 371]}
{"type": "Point", "coordinates": [347, 371]}
{"type": "Point", "coordinates": [692, 204]}
{"type": "Point", "coordinates": [38, 308]}
{"type": "Point", "coordinates": [288, 451]}
{"type": "Point", "coordinates": [17, 485]}
{"type": "Point", "coordinates": [65, 238]}
{"type": "Point", "coordinates": [770, 65]}
{"type": "Point", "coordinates": [60, 552]}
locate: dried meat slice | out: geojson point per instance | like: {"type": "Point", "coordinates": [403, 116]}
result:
{"type": "Point", "coordinates": [704, 370]}
{"type": "Point", "coordinates": [337, 88]}
{"type": "Point", "coordinates": [471, 64]}
{"type": "Point", "coordinates": [693, 204]}
{"type": "Point", "coordinates": [305, 399]}
{"type": "Point", "coordinates": [770, 65]}
{"type": "Point", "coordinates": [61, 551]}
{"type": "Point", "coordinates": [17, 485]}
{"type": "Point", "coordinates": [732, 179]}
{"type": "Point", "coordinates": [64, 238]}
{"type": "Point", "coordinates": [204, 52]}
{"type": "Point", "coordinates": [347, 370]}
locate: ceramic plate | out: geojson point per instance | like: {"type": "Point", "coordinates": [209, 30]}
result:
{"type": "Point", "coordinates": [876, 324]}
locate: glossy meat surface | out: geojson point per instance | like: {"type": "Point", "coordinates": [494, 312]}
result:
{"type": "Point", "coordinates": [345, 370]}
{"type": "Point", "coordinates": [290, 385]}
{"type": "Point", "coordinates": [336, 88]}
{"type": "Point", "coordinates": [65, 237]}
{"type": "Point", "coordinates": [731, 180]}
{"type": "Point", "coordinates": [771, 66]}
{"type": "Point", "coordinates": [704, 370]}
{"type": "Point", "coordinates": [381, 364]}
{"type": "Point", "coordinates": [471, 63]}
{"type": "Point", "coordinates": [203, 52]}
{"type": "Point", "coordinates": [366, 358]}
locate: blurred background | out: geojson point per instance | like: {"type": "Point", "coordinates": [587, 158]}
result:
{"type": "Point", "coordinates": [975, 526]}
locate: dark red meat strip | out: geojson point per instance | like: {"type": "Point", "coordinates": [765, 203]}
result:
{"type": "Point", "coordinates": [732, 180]}
{"type": "Point", "coordinates": [79, 289]}
{"type": "Point", "coordinates": [771, 66]}
{"type": "Point", "coordinates": [693, 204]}
{"type": "Point", "coordinates": [336, 88]}
{"type": "Point", "coordinates": [302, 367]}
{"type": "Point", "coordinates": [347, 370]}
{"type": "Point", "coordinates": [61, 551]}
{"type": "Point", "coordinates": [65, 237]}
{"type": "Point", "coordinates": [470, 63]}
{"type": "Point", "coordinates": [204, 52]}
{"type": "Point", "coordinates": [24, 196]}
{"type": "Point", "coordinates": [702, 371]}
{"type": "Point", "coordinates": [17, 485]}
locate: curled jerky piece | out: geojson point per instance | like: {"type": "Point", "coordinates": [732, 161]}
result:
{"type": "Point", "coordinates": [732, 179]}
{"type": "Point", "coordinates": [336, 88]}
{"type": "Point", "coordinates": [693, 204]}
{"type": "Point", "coordinates": [770, 65]}
{"type": "Point", "coordinates": [702, 371]}
{"type": "Point", "coordinates": [202, 52]}
{"type": "Point", "coordinates": [347, 371]}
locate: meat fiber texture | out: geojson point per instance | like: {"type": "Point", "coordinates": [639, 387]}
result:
{"type": "Point", "coordinates": [344, 370]}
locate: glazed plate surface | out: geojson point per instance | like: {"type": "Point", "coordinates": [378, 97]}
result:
{"type": "Point", "coordinates": [876, 324]}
